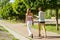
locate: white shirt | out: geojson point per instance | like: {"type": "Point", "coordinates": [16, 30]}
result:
{"type": "Point", "coordinates": [41, 16]}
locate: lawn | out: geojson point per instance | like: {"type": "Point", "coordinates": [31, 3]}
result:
{"type": "Point", "coordinates": [13, 21]}
{"type": "Point", "coordinates": [51, 28]}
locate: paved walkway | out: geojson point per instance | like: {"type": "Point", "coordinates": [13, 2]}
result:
{"type": "Point", "coordinates": [21, 28]}
{"type": "Point", "coordinates": [5, 35]}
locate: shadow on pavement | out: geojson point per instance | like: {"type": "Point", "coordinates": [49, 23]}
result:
{"type": "Point", "coordinates": [48, 37]}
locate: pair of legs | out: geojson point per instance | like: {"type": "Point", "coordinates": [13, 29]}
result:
{"type": "Point", "coordinates": [29, 25]}
{"type": "Point", "coordinates": [43, 27]}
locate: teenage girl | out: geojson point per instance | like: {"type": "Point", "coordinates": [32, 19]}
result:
{"type": "Point", "coordinates": [41, 16]}
{"type": "Point", "coordinates": [29, 21]}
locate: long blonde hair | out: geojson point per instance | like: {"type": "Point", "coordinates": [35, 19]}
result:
{"type": "Point", "coordinates": [28, 11]}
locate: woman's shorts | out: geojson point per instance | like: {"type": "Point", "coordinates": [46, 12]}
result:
{"type": "Point", "coordinates": [41, 22]}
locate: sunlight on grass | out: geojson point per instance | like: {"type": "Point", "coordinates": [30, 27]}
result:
{"type": "Point", "coordinates": [3, 29]}
{"type": "Point", "coordinates": [51, 28]}
{"type": "Point", "coordinates": [13, 21]}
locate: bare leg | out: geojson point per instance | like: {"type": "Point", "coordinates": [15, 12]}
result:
{"type": "Point", "coordinates": [39, 29]}
{"type": "Point", "coordinates": [43, 26]}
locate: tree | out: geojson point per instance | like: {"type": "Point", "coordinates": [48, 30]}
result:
{"type": "Point", "coordinates": [19, 8]}
{"type": "Point", "coordinates": [6, 11]}
{"type": "Point", "coordinates": [3, 3]}
{"type": "Point", "coordinates": [55, 4]}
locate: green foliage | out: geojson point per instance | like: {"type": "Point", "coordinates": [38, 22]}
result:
{"type": "Point", "coordinates": [3, 3]}
{"type": "Point", "coordinates": [3, 6]}
{"type": "Point", "coordinates": [17, 9]}
{"type": "Point", "coordinates": [7, 12]}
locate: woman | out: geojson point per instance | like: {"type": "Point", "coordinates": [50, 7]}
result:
{"type": "Point", "coordinates": [41, 21]}
{"type": "Point", "coordinates": [29, 21]}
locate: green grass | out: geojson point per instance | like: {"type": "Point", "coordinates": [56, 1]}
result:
{"type": "Point", "coordinates": [10, 21]}
{"type": "Point", "coordinates": [4, 30]}
{"type": "Point", "coordinates": [51, 28]}
{"type": "Point", "coordinates": [13, 21]}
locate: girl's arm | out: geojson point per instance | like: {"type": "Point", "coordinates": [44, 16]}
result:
{"type": "Point", "coordinates": [32, 20]}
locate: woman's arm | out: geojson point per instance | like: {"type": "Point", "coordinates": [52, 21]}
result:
{"type": "Point", "coordinates": [38, 15]}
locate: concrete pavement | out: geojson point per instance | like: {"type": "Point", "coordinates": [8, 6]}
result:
{"type": "Point", "coordinates": [22, 30]}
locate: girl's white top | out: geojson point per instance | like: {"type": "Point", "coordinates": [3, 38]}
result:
{"type": "Point", "coordinates": [41, 16]}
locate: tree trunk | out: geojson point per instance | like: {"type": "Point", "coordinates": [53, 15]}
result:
{"type": "Point", "coordinates": [51, 12]}
{"type": "Point", "coordinates": [57, 28]}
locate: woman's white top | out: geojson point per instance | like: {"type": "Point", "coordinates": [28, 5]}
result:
{"type": "Point", "coordinates": [41, 16]}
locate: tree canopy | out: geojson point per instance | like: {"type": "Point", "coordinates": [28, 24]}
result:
{"type": "Point", "coordinates": [3, 3]}
{"type": "Point", "coordinates": [18, 7]}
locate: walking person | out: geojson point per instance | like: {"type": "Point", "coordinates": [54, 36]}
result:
{"type": "Point", "coordinates": [29, 21]}
{"type": "Point", "coordinates": [41, 21]}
